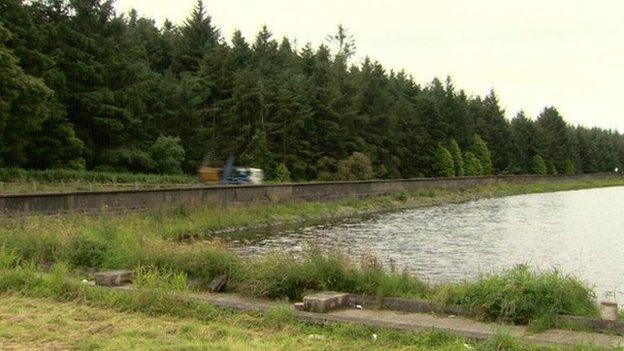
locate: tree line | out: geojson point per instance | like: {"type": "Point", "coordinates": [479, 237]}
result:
{"type": "Point", "coordinates": [84, 87]}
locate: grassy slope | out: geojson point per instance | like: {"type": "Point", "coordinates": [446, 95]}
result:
{"type": "Point", "coordinates": [36, 323]}
{"type": "Point", "coordinates": [153, 239]}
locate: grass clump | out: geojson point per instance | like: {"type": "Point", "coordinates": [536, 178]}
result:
{"type": "Point", "coordinates": [282, 276]}
{"type": "Point", "coordinates": [86, 252]}
{"type": "Point", "coordinates": [521, 295]}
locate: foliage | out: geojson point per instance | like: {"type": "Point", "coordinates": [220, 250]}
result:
{"type": "Point", "coordinates": [355, 167]}
{"type": "Point", "coordinates": [86, 252]}
{"type": "Point", "coordinates": [443, 162]}
{"type": "Point", "coordinates": [521, 295]}
{"type": "Point", "coordinates": [480, 149]}
{"type": "Point", "coordinates": [55, 321]}
{"type": "Point", "coordinates": [70, 175]}
{"type": "Point", "coordinates": [282, 174]}
{"type": "Point", "coordinates": [472, 165]}
{"type": "Point", "coordinates": [568, 167]}
{"type": "Point", "coordinates": [538, 166]}
{"type": "Point", "coordinates": [88, 87]}
{"type": "Point", "coordinates": [551, 168]}
{"type": "Point", "coordinates": [458, 160]}
{"type": "Point", "coordinates": [167, 154]}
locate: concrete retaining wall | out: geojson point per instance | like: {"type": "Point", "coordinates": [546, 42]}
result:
{"type": "Point", "coordinates": [121, 200]}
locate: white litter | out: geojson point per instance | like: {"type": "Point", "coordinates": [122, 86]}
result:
{"type": "Point", "coordinates": [374, 337]}
{"type": "Point", "coordinates": [84, 281]}
{"type": "Point", "coordinates": [359, 307]}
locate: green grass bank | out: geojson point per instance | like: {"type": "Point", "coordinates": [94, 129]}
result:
{"type": "Point", "coordinates": [183, 240]}
{"type": "Point", "coordinates": [54, 310]}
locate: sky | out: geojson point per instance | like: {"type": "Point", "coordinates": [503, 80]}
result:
{"type": "Point", "coordinates": [533, 53]}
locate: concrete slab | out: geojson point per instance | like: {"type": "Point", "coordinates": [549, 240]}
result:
{"type": "Point", "coordinates": [325, 301]}
{"type": "Point", "coordinates": [113, 278]}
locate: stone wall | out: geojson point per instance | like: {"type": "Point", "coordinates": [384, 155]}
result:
{"type": "Point", "coordinates": [120, 200]}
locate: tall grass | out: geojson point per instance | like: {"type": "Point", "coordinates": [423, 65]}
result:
{"type": "Point", "coordinates": [521, 295]}
{"type": "Point", "coordinates": [153, 298]}
{"type": "Point", "coordinates": [70, 175]}
{"type": "Point", "coordinates": [281, 276]}
{"type": "Point", "coordinates": [154, 239]}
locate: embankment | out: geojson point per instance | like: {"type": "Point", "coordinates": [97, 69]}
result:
{"type": "Point", "coordinates": [123, 200]}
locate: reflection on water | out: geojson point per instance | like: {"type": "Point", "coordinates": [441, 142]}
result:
{"type": "Point", "coordinates": [579, 232]}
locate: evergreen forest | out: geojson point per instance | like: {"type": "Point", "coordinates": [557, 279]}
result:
{"type": "Point", "coordinates": [85, 87]}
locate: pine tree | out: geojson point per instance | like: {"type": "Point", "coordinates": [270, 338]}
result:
{"type": "Point", "coordinates": [538, 166]}
{"type": "Point", "coordinates": [480, 149]}
{"type": "Point", "coordinates": [458, 160]}
{"type": "Point", "coordinates": [443, 162]}
{"type": "Point", "coordinates": [472, 165]}
{"type": "Point", "coordinates": [24, 105]}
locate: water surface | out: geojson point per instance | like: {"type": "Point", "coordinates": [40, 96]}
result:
{"type": "Point", "coordinates": [579, 232]}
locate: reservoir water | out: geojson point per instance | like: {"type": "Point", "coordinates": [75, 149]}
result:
{"type": "Point", "coordinates": [578, 232]}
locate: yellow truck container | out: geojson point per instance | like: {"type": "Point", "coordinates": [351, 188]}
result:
{"type": "Point", "coordinates": [209, 174]}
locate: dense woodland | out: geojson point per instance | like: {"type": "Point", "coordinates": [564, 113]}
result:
{"type": "Point", "coordinates": [84, 87]}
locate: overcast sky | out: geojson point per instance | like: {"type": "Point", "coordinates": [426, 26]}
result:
{"type": "Point", "coordinates": [534, 53]}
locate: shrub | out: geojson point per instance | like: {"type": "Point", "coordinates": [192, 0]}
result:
{"type": "Point", "coordinates": [282, 174]}
{"type": "Point", "coordinates": [472, 165]}
{"type": "Point", "coordinates": [568, 167]}
{"type": "Point", "coordinates": [552, 169]}
{"type": "Point", "coordinates": [167, 154]}
{"type": "Point", "coordinates": [326, 168]}
{"type": "Point", "coordinates": [443, 165]}
{"type": "Point", "coordinates": [127, 159]}
{"type": "Point", "coordinates": [458, 161]}
{"type": "Point", "coordinates": [538, 166]}
{"type": "Point", "coordinates": [480, 149]}
{"type": "Point", "coordinates": [521, 295]}
{"type": "Point", "coordinates": [355, 167]}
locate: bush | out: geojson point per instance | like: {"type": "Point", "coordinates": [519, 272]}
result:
{"type": "Point", "coordinates": [167, 154]}
{"type": "Point", "coordinates": [538, 166]}
{"type": "Point", "coordinates": [355, 167]}
{"type": "Point", "coordinates": [443, 165]}
{"type": "Point", "coordinates": [458, 161]}
{"type": "Point", "coordinates": [326, 168]}
{"type": "Point", "coordinates": [127, 159]}
{"type": "Point", "coordinates": [521, 295]}
{"type": "Point", "coordinates": [282, 174]}
{"type": "Point", "coordinates": [472, 165]}
{"type": "Point", "coordinates": [568, 167]}
{"type": "Point", "coordinates": [480, 149]}
{"type": "Point", "coordinates": [552, 169]}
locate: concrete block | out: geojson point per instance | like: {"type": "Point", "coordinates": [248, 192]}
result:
{"type": "Point", "coordinates": [298, 306]}
{"type": "Point", "coordinates": [113, 278]}
{"type": "Point", "coordinates": [218, 283]}
{"type": "Point", "coordinates": [325, 301]}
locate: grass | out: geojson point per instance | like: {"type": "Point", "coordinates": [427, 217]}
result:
{"type": "Point", "coordinates": [522, 295]}
{"type": "Point", "coordinates": [15, 180]}
{"type": "Point", "coordinates": [181, 240]}
{"type": "Point", "coordinates": [52, 311]}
